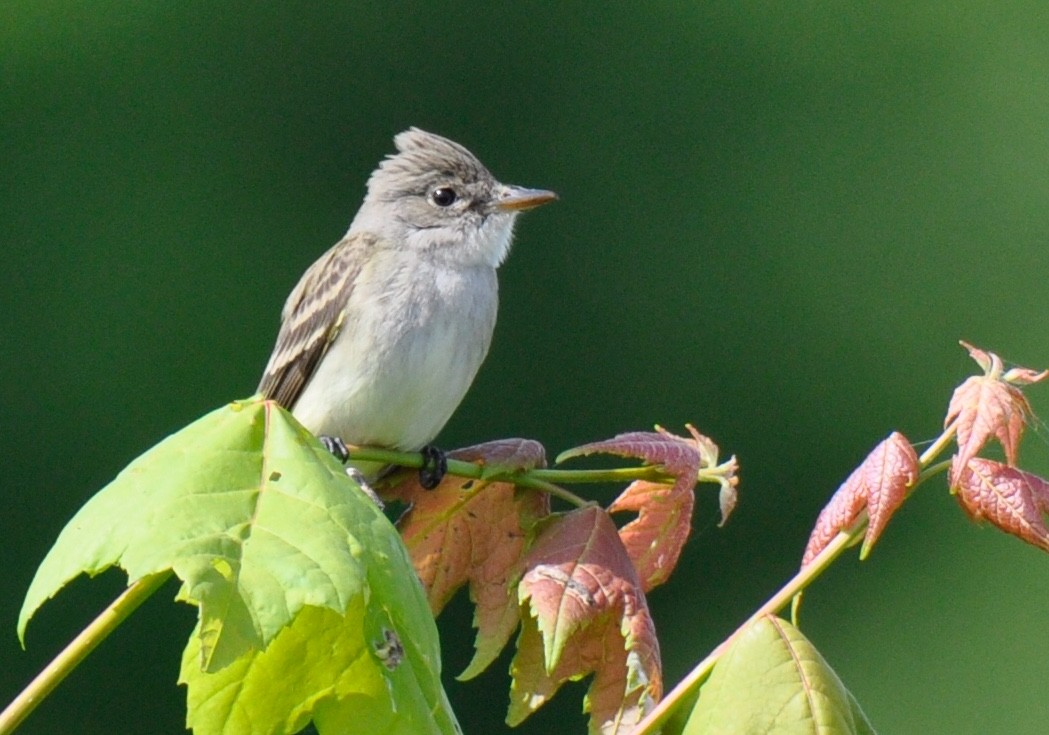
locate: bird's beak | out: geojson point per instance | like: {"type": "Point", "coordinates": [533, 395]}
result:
{"type": "Point", "coordinates": [518, 199]}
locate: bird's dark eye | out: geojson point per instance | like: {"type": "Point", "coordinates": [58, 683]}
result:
{"type": "Point", "coordinates": [444, 196]}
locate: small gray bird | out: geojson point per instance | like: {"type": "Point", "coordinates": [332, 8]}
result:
{"type": "Point", "coordinates": [382, 336]}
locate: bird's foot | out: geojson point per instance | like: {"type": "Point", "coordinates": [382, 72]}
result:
{"type": "Point", "coordinates": [336, 446]}
{"type": "Point", "coordinates": [362, 482]}
{"type": "Point", "coordinates": [435, 465]}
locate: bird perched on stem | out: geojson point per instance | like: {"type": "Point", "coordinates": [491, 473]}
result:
{"type": "Point", "coordinates": [383, 335]}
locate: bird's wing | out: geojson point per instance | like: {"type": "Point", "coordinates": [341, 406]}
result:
{"type": "Point", "coordinates": [311, 319]}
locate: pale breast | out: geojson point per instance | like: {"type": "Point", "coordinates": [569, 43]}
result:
{"type": "Point", "coordinates": [414, 336]}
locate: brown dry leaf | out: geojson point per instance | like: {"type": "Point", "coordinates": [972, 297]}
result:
{"type": "Point", "coordinates": [586, 613]}
{"type": "Point", "coordinates": [879, 484]}
{"type": "Point", "coordinates": [990, 405]}
{"type": "Point", "coordinates": [1009, 498]}
{"type": "Point", "coordinates": [468, 531]}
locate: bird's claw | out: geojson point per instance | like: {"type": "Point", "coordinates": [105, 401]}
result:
{"type": "Point", "coordinates": [362, 482]}
{"type": "Point", "coordinates": [435, 465]}
{"type": "Point", "coordinates": [336, 446]}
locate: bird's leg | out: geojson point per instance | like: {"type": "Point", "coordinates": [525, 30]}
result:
{"type": "Point", "coordinates": [336, 446]}
{"type": "Point", "coordinates": [362, 482]}
{"type": "Point", "coordinates": [435, 465]}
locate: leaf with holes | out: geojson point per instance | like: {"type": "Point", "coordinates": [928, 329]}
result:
{"type": "Point", "coordinates": [363, 671]}
{"type": "Point", "coordinates": [280, 551]}
{"type": "Point", "coordinates": [586, 612]}
{"type": "Point", "coordinates": [474, 532]}
{"type": "Point", "coordinates": [247, 509]}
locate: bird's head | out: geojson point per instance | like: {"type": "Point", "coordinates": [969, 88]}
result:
{"type": "Point", "coordinates": [435, 196]}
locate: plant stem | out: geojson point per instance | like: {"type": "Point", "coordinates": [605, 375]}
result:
{"type": "Point", "coordinates": [617, 474]}
{"type": "Point", "coordinates": [520, 477]}
{"type": "Point", "coordinates": [938, 445]}
{"type": "Point", "coordinates": [791, 590]}
{"type": "Point", "coordinates": [78, 649]}
{"type": "Point", "coordinates": [688, 686]}
{"type": "Point", "coordinates": [559, 492]}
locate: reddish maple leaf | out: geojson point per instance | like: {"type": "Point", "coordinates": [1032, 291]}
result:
{"type": "Point", "coordinates": [677, 455]}
{"type": "Point", "coordinates": [475, 532]}
{"type": "Point", "coordinates": [989, 405]}
{"type": "Point", "coordinates": [879, 484]}
{"type": "Point", "coordinates": [586, 613]}
{"type": "Point", "coordinates": [1009, 498]}
{"type": "Point", "coordinates": [654, 539]}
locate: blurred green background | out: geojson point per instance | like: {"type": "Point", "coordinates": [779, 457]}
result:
{"type": "Point", "coordinates": [776, 221]}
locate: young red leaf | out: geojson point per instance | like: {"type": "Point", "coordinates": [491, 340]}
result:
{"type": "Point", "coordinates": [879, 484]}
{"type": "Point", "coordinates": [678, 456]}
{"type": "Point", "coordinates": [587, 613]}
{"type": "Point", "coordinates": [655, 538]}
{"type": "Point", "coordinates": [983, 407]}
{"type": "Point", "coordinates": [504, 455]}
{"type": "Point", "coordinates": [727, 473]}
{"type": "Point", "coordinates": [986, 360]}
{"type": "Point", "coordinates": [1009, 498]}
{"type": "Point", "coordinates": [990, 405]}
{"type": "Point", "coordinates": [468, 531]}
{"type": "Point", "coordinates": [1024, 376]}
{"type": "Point", "coordinates": [991, 363]}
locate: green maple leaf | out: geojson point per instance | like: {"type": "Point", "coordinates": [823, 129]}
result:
{"type": "Point", "coordinates": [773, 680]}
{"type": "Point", "coordinates": [323, 667]}
{"type": "Point", "coordinates": [267, 533]}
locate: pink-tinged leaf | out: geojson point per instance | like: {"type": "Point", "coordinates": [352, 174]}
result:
{"type": "Point", "coordinates": [983, 407]}
{"type": "Point", "coordinates": [1009, 498]}
{"type": "Point", "coordinates": [990, 405]}
{"type": "Point", "coordinates": [988, 361]}
{"type": "Point", "coordinates": [677, 455]}
{"type": "Point", "coordinates": [1024, 376]}
{"type": "Point", "coordinates": [504, 455]}
{"type": "Point", "coordinates": [586, 614]}
{"type": "Point", "coordinates": [472, 532]}
{"type": "Point", "coordinates": [728, 496]}
{"type": "Point", "coordinates": [992, 365]}
{"type": "Point", "coordinates": [880, 484]}
{"type": "Point", "coordinates": [655, 538]}
{"type": "Point", "coordinates": [890, 472]}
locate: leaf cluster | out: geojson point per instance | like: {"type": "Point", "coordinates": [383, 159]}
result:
{"type": "Point", "coordinates": [312, 607]}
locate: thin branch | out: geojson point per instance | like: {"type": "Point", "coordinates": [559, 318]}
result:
{"type": "Point", "coordinates": [475, 471]}
{"type": "Point", "coordinates": [790, 591]}
{"type": "Point", "coordinates": [557, 492]}
{"type": "Point", "coordinates": [939, 444]}
{"type": "Point", "coordinates": [688, 686]}
{"type": "Point", "coordinates": [78, 649]}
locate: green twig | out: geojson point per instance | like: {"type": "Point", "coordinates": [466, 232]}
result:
{"type": "Point", "coordinates": [558, 492]}
{"type": "Point", "coordinates": [78, 649]}
{"type": "Point", "coordinates": [792, 590]}
{"type": "Point", "coordinates": [688, 686]}
{"type": "Point", "coordinates": [938, 445]}
{"type": "Point", "coordinates": [523, 477]}
{"type": "Point", "coordinates": [651, 473]}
